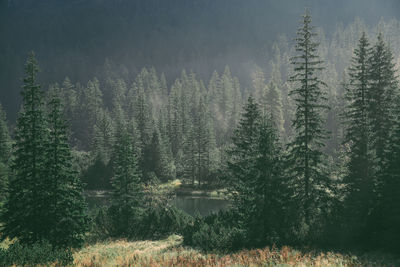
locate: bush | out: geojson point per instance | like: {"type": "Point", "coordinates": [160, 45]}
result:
{"type": "Point", "coordinates": [162, 220]}
{"type": "Point", "coordinates": [153, 221]}
{"type": "Point", "coordinates": [36, 254]}
{"type": "Point", "coordinates": [217, 232]}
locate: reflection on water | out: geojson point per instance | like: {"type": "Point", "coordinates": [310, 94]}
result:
{"type": "Point", "coordinates": [200, 204]}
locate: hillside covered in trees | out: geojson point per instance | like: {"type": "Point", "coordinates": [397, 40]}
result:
{"type": "Point", "coordinates": [302, 137]}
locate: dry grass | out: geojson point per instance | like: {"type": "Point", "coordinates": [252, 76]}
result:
{"type": "Point", "coordinates": [169, 252]}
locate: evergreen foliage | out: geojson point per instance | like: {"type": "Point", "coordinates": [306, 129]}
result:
{"type": "Point", "coordinates": [255, 176]}
{"type": "Point", "coordinates": [66, 220]}
{"type": "Point", "coordinates": [127, 192]}
{"type": "Point", "coordinates": [360, 177]}
{"type": "Point", "coordinates": [311, 185]}
{"type": "Point", "coordinates": [26, 205]}
{"type": "Point", "coordinates": [5, 154]}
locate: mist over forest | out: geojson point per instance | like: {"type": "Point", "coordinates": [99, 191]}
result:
{"type": "Point", "coordinates": [74, 38]}
{"type": "Point", "coordinates": [199, 133]}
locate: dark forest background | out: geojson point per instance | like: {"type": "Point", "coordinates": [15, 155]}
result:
{"type": "Point", "coordinates": [145, 100]}
{"type": "Point", "coordinates": [74, 38]}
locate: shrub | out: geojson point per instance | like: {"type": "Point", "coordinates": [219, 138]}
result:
{"type": "Point", "coordinates": [153, 221]}
{"type": "Point", "coordinates": [162, 220]}
{"type": "Point", "coordinates": [217, 232]}
{"type": "Point", "coordinates": [41, 253]}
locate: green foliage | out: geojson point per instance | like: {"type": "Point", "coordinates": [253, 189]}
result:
{"type": "Point", "coordinates": [127, 190]}
{"type": "Point", "coordinates": [359, 180]}
{"type": "Point", "coordinates": [372, 133]}
{"type": "Point", "coordinates": [309, 181]}
{"type": "Point", "coordinates": [66, 220]}
{"type": "Point", "coordinates": [162, 220]}
{"type": "Point", "coordinates": [45, 199]}
{"type": "Point", "coordinates": [255, 177]}
{"type": "Point", "coordinates": [5, 139]}
{"type": "Point", "coordinates": [5, 155]}
{"type": "Point", "coordinates": [156, 219]}
{"type": "Point", "coordinates": [217, 232]}
{"type": "Point", "coordinates": [97, 176]}
{"type": "Point", "coordinates": [26, 203]}
{"type": "Point", "coordinates": [40, 253]}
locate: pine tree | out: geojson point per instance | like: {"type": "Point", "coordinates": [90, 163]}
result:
{"type": "Point", "coordinates": [142, 111]}
{"type": "Point", "coordinates": [309, 181]}
{"type": "Point", "coordinates": [273, 105]}
{"type": "Point", "coordinates": [202, 141]}
{"type": "Point", "coordinates": [5, 154]}
{"type": "Point", "coordinates": [155, 161]}
{"type": "Point", "coordinates": [26, 205]}
{"type": "Point", "coordinates": [390, 202]}
{"type": "Point", "coordinates": [255, 176]}
{"type": "Point", "coordinates": [5, 139]}
{"type": "Point", "coordinates": [189, 155]}
{"type": "Point", "coordinates": [242, 157]}
{"type": "Point", "coordinates": [267, 222]}
{"type": "Point", "coordinates": [359, 181]}
{"type": "Point", "coordinates": [174, 119]}
{"type": "Point", "coordinates": [89, 105]}
{"type": "Point", "coordinates": [66, 220]}
{"type": "Point", "coordinates": [383, 114]}
{"type": "Point", "coordinates": [383, 86]}
{"type": "Point", "coordinates": [127, 192]}
{"type": "Point", "coordinates": [103, 133]}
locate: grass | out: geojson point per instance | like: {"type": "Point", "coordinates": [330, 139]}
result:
{"type": "Point", "coordinates": [169, 252]}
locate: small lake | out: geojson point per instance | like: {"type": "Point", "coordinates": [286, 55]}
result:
{"type": "Point", "coordinates": [203, 205]}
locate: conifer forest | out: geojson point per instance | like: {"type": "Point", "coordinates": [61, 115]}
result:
{"type": "Point", "coordinates": [199, 133]}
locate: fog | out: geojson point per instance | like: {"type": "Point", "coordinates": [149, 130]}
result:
{"type": "Point", "coordinates": [75, 37]}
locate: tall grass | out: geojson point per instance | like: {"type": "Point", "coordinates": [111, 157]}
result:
{"type": "Point", "coordinates": [169, 252]}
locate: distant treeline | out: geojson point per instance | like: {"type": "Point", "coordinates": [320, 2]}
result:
{"type": "Point", "coordinates": [307, 158]}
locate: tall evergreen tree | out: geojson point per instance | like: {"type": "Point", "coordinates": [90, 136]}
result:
{"type": "Point", "coordinates": [127, 192]}
{"type": "Point", "coordinates": [66, 220]}
{"type": "Point", "coordinates": [26, 205]}
{"type": "Point", "coordinates": [383, 113]}
{"type": "Point", "coordinates": [255, 176]}
{"type": "Point", "coordinates": [242, 156]}
{"type": "Point", "coordinates": [5, 139]}
{"type": "Point", "coordinates": [381, 95]}
{"type": "Point", "coordinates": [309, 181]}
{"type": "Point", "coordinates": [273, 105]}
{"type": "Point", "coordinates": [359, 181]}
{"type": "Point", "coordinates": [5, 154]}
{"type": "Point", "coordinates": [390, 202]}
{"type": "Point", "coordinates": [103, 134]}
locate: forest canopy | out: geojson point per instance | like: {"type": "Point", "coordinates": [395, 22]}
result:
{"type": "Point", "coordinates": [300, 140]}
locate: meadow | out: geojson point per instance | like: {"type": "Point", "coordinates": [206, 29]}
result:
{"type": "Point", "coordinates": [170, 252]}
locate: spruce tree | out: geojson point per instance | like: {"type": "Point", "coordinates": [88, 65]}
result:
{"type": "Point", "coordinates": [267, 224]}
{"type": "Point", "coordinates": [390, 202]}
{"type": "Point", "coordinates": [66, 220]}
{"type": "Point", "coordinates": [255, 176]}
{"type": "Point", "coordinates": [26, 205]}
{"type": "Point", "coordinates": [307, 173]}
{"type": "Point", "coordinates": [242, 158]}
{"type": "Point", "coordinates": [127, 191]}
{"type": "Point", "coordinates": [273, 105]}
{"type": "Point", "coordinates": [103, 133]}
{"type": "Point", "coordinates": [383, 88]}
{"type": "Point", "coordinates": [383, 118]}
{"type": "Point", "coordinates": [359, 180]}
{"type": "Point", "coordinates": [5, 154]}
{"type": "Point", "coordinates": [155, 161]}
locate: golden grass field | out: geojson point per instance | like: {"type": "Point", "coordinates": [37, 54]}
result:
{"type": "Point", "coordinates": [169, 252]}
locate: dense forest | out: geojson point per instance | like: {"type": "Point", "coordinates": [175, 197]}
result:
{"type": "Point", "coordinates": [304, 144]}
